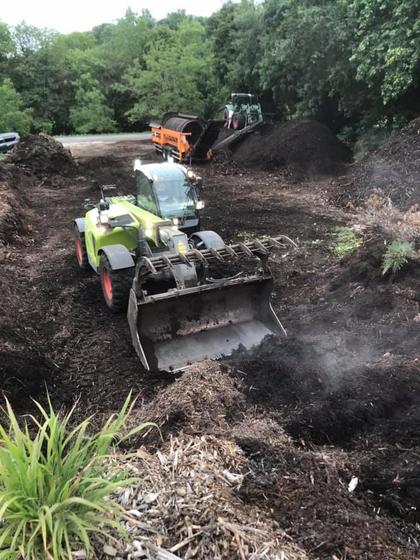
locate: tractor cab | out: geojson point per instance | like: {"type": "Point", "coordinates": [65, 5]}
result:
{"type": "Point", "coordinates": [170, 191]}
{"type": "Point", "coordinates": [243, 110]}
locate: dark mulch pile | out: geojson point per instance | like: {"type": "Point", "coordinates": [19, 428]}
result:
{"type": "Point", "coordinates": [394, 168]}
{"type": "Point", "coordinates": [12, 204]}
{"type": "Point", "coordinates": [24, 370]}
{"type": "Point", "coordinates": [303, 148]}
{"type": "Point", "coordinates": [43, 155]}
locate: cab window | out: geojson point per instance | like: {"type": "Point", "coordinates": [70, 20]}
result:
{"type": "Point", "coordinates": [145, 197]}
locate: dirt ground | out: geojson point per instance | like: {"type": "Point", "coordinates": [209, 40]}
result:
{"type": "Point", "coordinates": [338, 399]}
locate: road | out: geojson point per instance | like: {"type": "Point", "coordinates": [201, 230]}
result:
{"type": "Point", "coordinates": [124, 137]}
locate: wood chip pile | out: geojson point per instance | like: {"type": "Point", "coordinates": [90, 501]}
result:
{"type": "Point", "coordinates": [205, 398]}
{"type": "Point", "coordinates": [188, 506]}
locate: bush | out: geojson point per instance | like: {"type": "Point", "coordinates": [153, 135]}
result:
{"type": "Point", "coordinates": [397, 255]}
{"type": "Point", "coordinates": [347, 241]}
{"type": "Point", "coordinates": [54, 485]}
{"type": "Point", "coordinates": [13, 117]}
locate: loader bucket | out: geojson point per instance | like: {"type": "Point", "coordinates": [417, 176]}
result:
{"type": "Point", "coordinates": [175, 329]}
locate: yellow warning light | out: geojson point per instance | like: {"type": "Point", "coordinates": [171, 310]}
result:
{"type": "Point", "coordinates": [182, 248]}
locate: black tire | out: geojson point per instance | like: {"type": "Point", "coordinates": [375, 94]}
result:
{"type": "Point", "coordinates": [115, 285]}
{"type": "Point", "coordinates": [80, 248]}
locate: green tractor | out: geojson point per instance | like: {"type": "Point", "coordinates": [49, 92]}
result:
{"type": "Point", "coordinates": [189, 296]}
{"type": "Point", "coordinates": [243, 110]}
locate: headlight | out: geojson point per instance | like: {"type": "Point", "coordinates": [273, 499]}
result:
{"type": "Point", "coordinates": [190, 174]}
{"type": "Point", "coordinates": [175, 221]}
{"type": "Point", "coordinates": [200, 205]}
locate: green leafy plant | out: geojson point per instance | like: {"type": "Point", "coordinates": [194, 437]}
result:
{"type": "Point", "coordinates": [347, 241]}
{"type": "Point", "coordinates": [397, 255]}
{"type": "Point", "coordinates": [55, 484]}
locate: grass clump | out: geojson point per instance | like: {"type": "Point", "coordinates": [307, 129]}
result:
{"type": "Point", "coordinates": [347, 241]}
{"type": "Point", "coordinates": [55, 484]}
{"type": "Point", "coordinates": [397, 255]}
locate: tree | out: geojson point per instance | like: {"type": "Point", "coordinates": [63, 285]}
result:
{"type": "Point", "coordinates": [307, 62]}
{"type": "Point", "coordinates": [176, 76]}
{"type": "Point", "coordinates": [387, 52]}
{"type": "Point", "coordinates": [90, 112]}
{"type": "Point", "coordinates": [7, 46]}
{"type": "Point", "coordinates": [123, 45]}
{"type": "Point", "coordinates": [13, 117]}
{"type": "Point", "coordinates": [236, 33]}
{"type": "Point", "coordinates": [38, 76]}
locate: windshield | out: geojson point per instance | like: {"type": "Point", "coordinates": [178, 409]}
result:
{"type": "Point", "coordinates": [176, 198]}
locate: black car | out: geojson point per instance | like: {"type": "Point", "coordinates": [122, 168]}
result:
{"type": "Point", "coordinates": [8, 140]}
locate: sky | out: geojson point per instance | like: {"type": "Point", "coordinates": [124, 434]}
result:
{"type": "Point", "coordinates": [81, 15]}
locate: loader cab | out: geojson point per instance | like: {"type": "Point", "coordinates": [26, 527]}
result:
{"type": "Point", "coordinates": [169, 191]}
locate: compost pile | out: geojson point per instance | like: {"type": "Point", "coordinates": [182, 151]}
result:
{"type": "Point", "coordinates": [12, 204]}
{"type": "Point", "coordinates": [303, 148]}
{"type": "Point", "coordinates": [394, 169]}
{"type": "Point", "coordinates": [42, 155]}
{"type": "Point", "coordinates": [204, 398]}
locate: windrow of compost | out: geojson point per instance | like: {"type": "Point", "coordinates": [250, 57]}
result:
{"type": "Point", "coordinates": [393, 168]}
{"type": "Point", "coordinates": [301, 148]}
{"type": "Point", "coordinates": [25, 370]}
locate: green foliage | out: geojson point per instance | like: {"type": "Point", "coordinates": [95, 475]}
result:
{"type": "Point", "coordinates": [352, 64]}
{"type": "Point", "coordinates": [397, 255]}
{"type": "Point", "coordinates": [7, 46]}
{"type": "Point", "coordinates": [387, 52]}
{"type": "Point", "coordinates": [175, 74]}
{"type": "Point", "coordinates": [13, 117]}
{"type": "Point", "coordinates": [236, 32]}
{"type": "Point", "coordinates": [54, 486]}
{"type": "Point", "coordinates": [90, 113]}
{"type": "Point", "coordinates": [347, 241]}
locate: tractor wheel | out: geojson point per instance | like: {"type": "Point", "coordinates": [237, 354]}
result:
{"type": "Point", "coordinates": [116, 285]}
{"type": "Point", "coordinates": [238, 121]}
{"type": "Point", "coordinates": [80, 248]}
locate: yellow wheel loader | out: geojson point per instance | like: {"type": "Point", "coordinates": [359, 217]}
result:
{"type": "Point", "coordinates": [189, 296]}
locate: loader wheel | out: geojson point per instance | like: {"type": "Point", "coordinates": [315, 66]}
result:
{"type": "Point", "coordinates": [238, 121]}
{"type": "Point", "coordinates": [80, 248]}
{"type": "Point", "coordinates": [116, 285]}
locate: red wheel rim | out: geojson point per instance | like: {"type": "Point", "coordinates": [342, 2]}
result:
{"type": "Point", "coordinates": [79, 250]}
{"type": "Point", "coordinates": [107, 284]}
